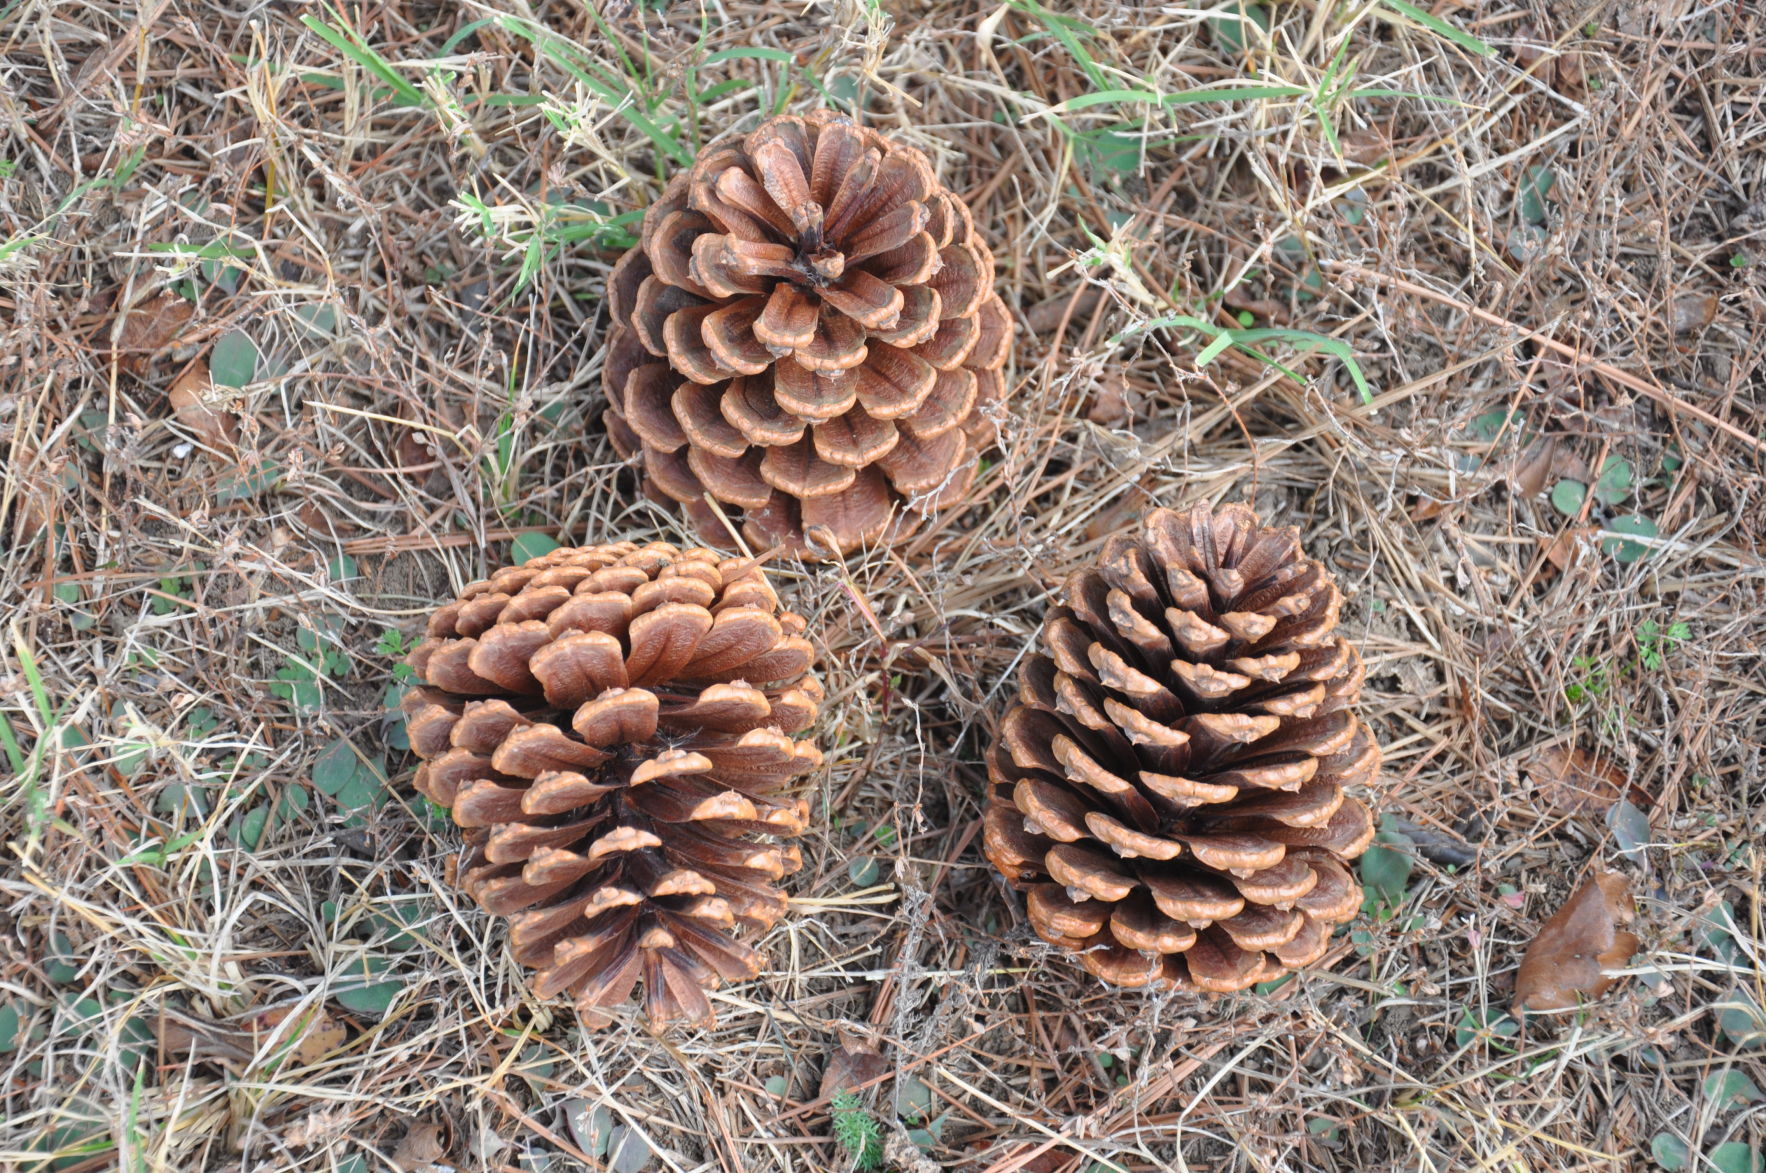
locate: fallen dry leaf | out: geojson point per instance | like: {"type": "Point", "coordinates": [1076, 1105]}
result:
{"type": "Point", "coordinates": [1567, 963]}
{"type": "Point", "coordinates": [852, 1065]}
{"type": "Point", "coordinates": [1533, 469]}
{"type": "Point", "coordinates": [1576, 782]}
{"type": "Point", "coordinates": [189, 397]}
{"type": "Point", "coordinates": [149, 328]}
{"type": "Point", "coordinates": [316, 1036]}
{"type": "Point", "coordinates": [420, 1148]}
{"type": "Point", "coordinates": [1693, 311]}
{"type": "Point", "coordinates": [1045, 317]}
{"type": "Point", "coordinates": [1111, 404]}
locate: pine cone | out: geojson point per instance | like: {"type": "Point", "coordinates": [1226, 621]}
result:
{"type": "Point", "coordinates": [808, 331]}
{"type": "Point", "coordinates": [609, 726]}
{"type": "Point", "coordinates": [1169, 785]}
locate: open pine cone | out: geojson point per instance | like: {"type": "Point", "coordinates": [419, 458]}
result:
{"type": "Point", "coordinates": [610, 726]}
{"type": "Point", "coordinates": [807, 330]}
{"type": "Point", "coordinates": [1169, 786]}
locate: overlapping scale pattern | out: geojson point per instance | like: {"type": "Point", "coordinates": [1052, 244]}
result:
{"type": "Point", "coordinates": [612, 729]}
{"type": "Point", "coordinates": [1169, 787]}
{"type": "Point", "coordinates": [807, 330]}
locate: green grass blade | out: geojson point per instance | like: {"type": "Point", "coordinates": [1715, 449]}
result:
{"type": "Point", "coordinates": [357, 50]}
{"type": "Point", "coordinates": [1440, 27]}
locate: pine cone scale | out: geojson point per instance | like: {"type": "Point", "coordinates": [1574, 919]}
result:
{"type": "Point", "coordinates": [1169, 786]}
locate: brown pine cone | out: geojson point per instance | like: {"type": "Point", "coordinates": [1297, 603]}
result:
{"type": "Point", "coordinates": [1169, 785]}
{"type": "Point", "coordinates": [610, 727]}
{"type": "Point", "coordinates": [807, 330]}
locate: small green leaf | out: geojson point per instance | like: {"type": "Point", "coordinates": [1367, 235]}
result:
{"type": "Point", "coordinates": [630, 1152]}
{"type": "Point", "coordinates": [590, 1124]}
{"type": "Point", "coordinates": [1567, 497]}
{"type": "Point", "coordinates": [336, 767]}
{"type": "Point", "coordinates": [10, 1024]}
{"type": "Point", "coordinates": [863, 870]}
{"type": "Point", "coordinates": [1735, 1157]}
{"type": "Point", "coordinates": [233, 361]}
{"type": "Point", "coordinates": [1630, 828]}
{"type": "Point", "coordinates": [342, 568]}
{"type": "Point", "coordinates": [529, 546]}
{"type": "Point", "coordinates": [1270, 987]}
{"type": "Point", "coordinates": [913, 1100]}
{"type": "Point", "coordinates": [251, 827]}
{"type": "Point", "coordinates": [1228, 29]}
{"type": "Point", "coordinates": [1385, 874]}
{"type": "Point", "coordinates": [777, 1085]}
{"type": "Point", "coordinates": [1491, 1026]}
{"type": "Point", "coordinates": [1614, 484]}
{"type": "Point", "coordinates": [1536, 183]}
{"type": "Point", "coordinates": [61, 966]}
{"type": "Point", "coordinates": [1630, 523]}
{"type": "Point", "coordinates": [1742, 1023]}
{"type": "Point", "coordinates": [1730, 1087]}
{"type": "Point", "coordinates": [317, 318]}
{"type": "Point", "coordinates": [1488, 426]}
{"type": "Point", "coordinates": [1670, 1152]}
{"type": "Point", "coordinates": [257, 480]}
{"type": "Point", "coordinates": [363, 995]}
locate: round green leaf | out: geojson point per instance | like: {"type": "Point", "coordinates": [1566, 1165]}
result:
{"type": "Point", "coordinates": [337, 766]}
{"type": "Point", "coordinates": [1614, 484]}
{"type": "Point", "coordinates": [863, 870]}
{"type": "Point", "coordinates": [1535, 186]}
{"type": "Point", "coordinates": [1491, 1025]}
{"type": "Point", "coordinates": [62, 965]}
{"type": "Point", "coordinates": [1630, 827]}
{"type": "Point", "coordinates": [1567, 497]}
{"type": "Point", "coordinates": [526, 546]}
{"type": "Point", "coordinates": [1385, 873]}
{"type": "Point", "coordinates": [1228, 29]}
{"type": "Point", "coordinates": [233, 361]}
{"type": "Point", "coordinates": [1670, 1152]}
{"type": "Point", "coordinates": [364, 995]}
{"type": "Point", "coordinates": [1736, 1157]}
{"type": "Point", "coordinates": [9, 1027]}
{"type": "Point", "coordinates": [1630, 523]}
{"type": "Point", "coordinates": [776, 1085]}
{"type": "Point", "coordinates": [1742, 1023]}
{"type": "Point", "coordinates": [1730, 1087]}
{"type": "Point", "coordinates": [251, 827]}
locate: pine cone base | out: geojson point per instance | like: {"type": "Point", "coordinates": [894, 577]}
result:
{"type": "Point", "coordinates": [805, 342]}
{"type": "Point", "coordinates": [1169, 786]}
{"type": "Point", "coordinates": [611, 729]}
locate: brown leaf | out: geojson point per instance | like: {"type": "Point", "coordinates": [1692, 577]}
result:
{"type": "Point", "coordinates": [1567, 962]}
{"type": "Point", "coordinates": [316, 1036]}
{"type": "Point", "coordinates": [420, 1148]}
{"type": "Point", "coordinates": [1693, 311]}
{"type": "Point", "coordinates": [856, 1062]}
{"type": "Point", "coordinates": [1565, 550]}
{"type": "Point", "coordinates": [1045, 317]}
{"type": "Point", "coordinates": [1576, 782]}
{"type": "Point", "coordinates": [191, 406]}
{"type": "Point", "coordinates": [151, 327]}
{"type": "Point", "coordinates": [1111, 403]}
{"type": "Point", "coordinates": [1533, 469]}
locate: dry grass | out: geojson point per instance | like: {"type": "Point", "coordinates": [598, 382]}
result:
{"type": "Point", "coordinates": [160, 571]}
